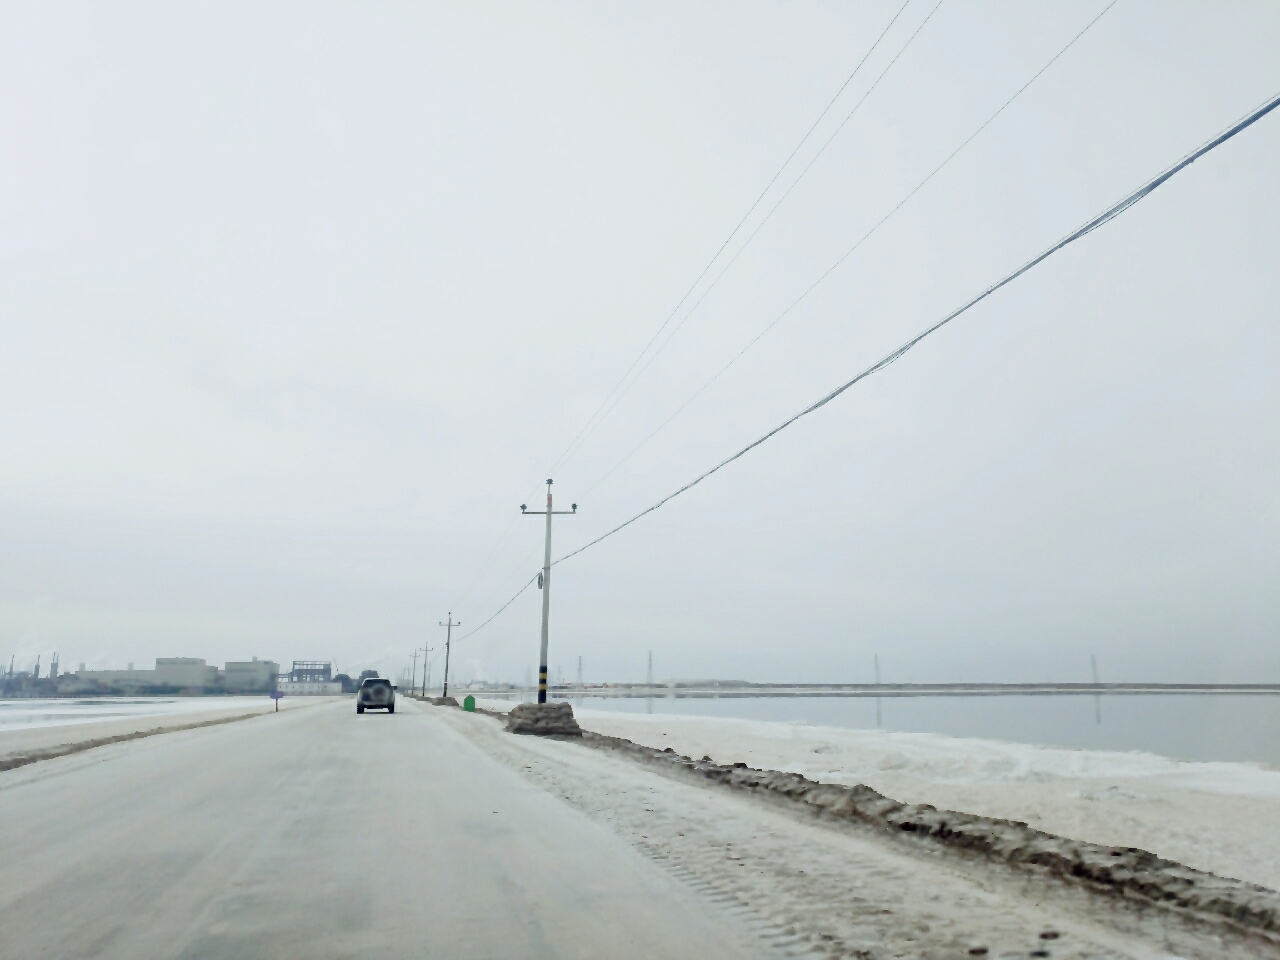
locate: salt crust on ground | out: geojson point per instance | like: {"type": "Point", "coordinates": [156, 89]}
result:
{"type": "Point", "coordinates": [1219, 817]}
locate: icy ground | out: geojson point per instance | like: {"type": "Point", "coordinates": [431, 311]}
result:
{"type": "Point", "coordinates": [839, 890]}
{"type": "Point", "coordinates": [1219, 817]}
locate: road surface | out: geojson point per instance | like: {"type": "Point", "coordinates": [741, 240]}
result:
{"type": "Point", "coordinates": [316, 833]}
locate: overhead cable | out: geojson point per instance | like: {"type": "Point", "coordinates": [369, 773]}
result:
{"type": "Point", "coordinates": [592, 421]}
{"type": "Point", "coordinates": [528, 583]}
{"type": "Point", "coordinates": [1088, 227]}
{"type": "Point", "coordinates": [1108, 214]}
{"type": "Point", "coordinates": [763, 221]}
{"type": "Point", "coordinates": [900, 204]}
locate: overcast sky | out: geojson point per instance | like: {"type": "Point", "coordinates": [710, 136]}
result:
{"type": "Point", "coordinates": [299, 302]}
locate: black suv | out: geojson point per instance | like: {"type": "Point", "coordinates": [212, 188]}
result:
{"type": "Point", "coordinates": [375, 693]}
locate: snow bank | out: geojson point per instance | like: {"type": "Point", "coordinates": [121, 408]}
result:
{"type": "Point", "coordinates": [1219, 817]}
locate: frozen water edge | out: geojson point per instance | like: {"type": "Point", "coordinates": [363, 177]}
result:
{"type": "Point", "coordinates": [816, 751]}
{"type": "Point", "coordinates": [1223, 818]}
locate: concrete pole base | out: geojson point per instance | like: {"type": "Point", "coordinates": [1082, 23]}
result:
{"type": "Point", "coordinates": [543, 720]}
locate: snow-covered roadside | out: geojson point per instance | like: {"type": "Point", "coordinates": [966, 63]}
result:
{"type": "Point", "coordinates": [840, 889]}
{"type": "Point", "coordinates": [25, 742]}
{"type": "Point", "coordinates": [1219, 817]}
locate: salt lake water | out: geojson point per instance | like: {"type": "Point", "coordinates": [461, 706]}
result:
{"type": "Point", "coordinates": [1230, 727]}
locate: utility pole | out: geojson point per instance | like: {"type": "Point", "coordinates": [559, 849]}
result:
{"type": "Point", "coordinates": [426, 668]}
{"type": "Point", "coordinates": [448, 636]}
{"type": "Point", "coordinates": [648, 677]}
{"type": "Point", "coordinates": [546, 590]}
{"type": "Point", "coordinates": [877, 662]}
{"type": "Point", "coordinates": [1097, 700]}
{"type": "Point", "coordinates": [413, 674]}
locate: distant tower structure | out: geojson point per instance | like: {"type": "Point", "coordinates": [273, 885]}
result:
{"type": "Point", "coordinates": [35, 674]}
{"type": "Point", "coordinates": [649, 675]}
{"type": "Point", "coordinates": [311, 671]}
{"type": "Point", "coordinates": [53, 667]}
{"type": "Point", "coordinates": [579, 669]}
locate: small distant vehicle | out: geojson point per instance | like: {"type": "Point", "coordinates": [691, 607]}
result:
{"type": "Point", "coordinates": [376, 693]}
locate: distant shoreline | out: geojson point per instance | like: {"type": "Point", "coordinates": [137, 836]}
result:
{"type": "Point", "coordinates": [736, 689]}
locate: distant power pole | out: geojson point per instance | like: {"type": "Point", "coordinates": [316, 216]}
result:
{"type": "Point", "coordinates": [448, 637]}
{"type": "Point", "coordinates": [579, 671]}
{"type": "Point", "coordinates": [649, 675]}
{"type": "Point", "coordinates": [413, 673]}
{"type": "Point", "coordinates": [1097, 700]}
{"type": "Point", "coordinates": [546, 590]}
{"type": "Point", "coordinates": [877, 662]}
{"type": "Point", "coordinates": [426, 668]}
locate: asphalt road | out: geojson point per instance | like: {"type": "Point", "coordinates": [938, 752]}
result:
{"type": "Point", "coordinates": [316, 833]}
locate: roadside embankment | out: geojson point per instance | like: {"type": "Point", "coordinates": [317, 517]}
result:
{"type": "Point", "coordinates": [1126, 871]}
{"type": "Point", "coordinates": [1129, 868]}
{"type": "Point", "coordinates": [846, 886]}
{"type": "Point", "coordinates": [1222, 818]}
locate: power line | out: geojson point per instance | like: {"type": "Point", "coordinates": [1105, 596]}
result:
{"type": "Point", "coordinates": [757, 229]}
{"type": "Point", "coordinates": [1108, 214]}
{"type": "Point", "coordinates": [901, 203]}
{"type": "Point", "coordinates": [1104, 217]}
{"type": "Point", "coordinates": [476, 630]}
{"type": "Point", "coordinates": [589, 426]}
{"type": "Point", "coordinates": [592, 422]}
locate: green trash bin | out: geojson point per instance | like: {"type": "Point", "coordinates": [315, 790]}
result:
{"type": "Point", "coordinates": [469, 703]}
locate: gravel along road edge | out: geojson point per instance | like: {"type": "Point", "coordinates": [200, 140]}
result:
{"type": "Point", "coordinates": [1124, 905]}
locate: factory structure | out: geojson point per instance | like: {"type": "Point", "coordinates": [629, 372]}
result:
{"type": "Point", "coordinates": [186, 675]}
{"type": "Point", "coordinates": [310, 678]}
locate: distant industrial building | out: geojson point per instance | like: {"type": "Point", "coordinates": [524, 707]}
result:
{"type": "Point", "coordinates": [311, 671]}
{"type": "Point", "coordinates": [251, 675]}
{"type": "Point", "coordinates": [178, 673]}
{"type": "Point", "coordinates": [118, 678]}
{"type": "Point", "coordinates": [310, 678]}
{"type": "Point", "coordinates": [185, 672]}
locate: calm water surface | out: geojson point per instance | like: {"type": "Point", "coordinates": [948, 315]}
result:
{"type": "Point", "coordinates": [1183, 726]}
